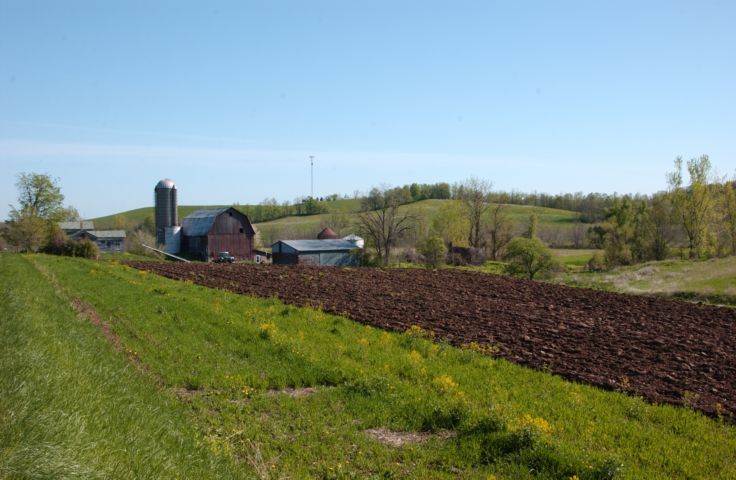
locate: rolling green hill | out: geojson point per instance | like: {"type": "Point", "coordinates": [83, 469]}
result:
{"type": "Point", "coordinates": [132, 218]}
{"type": "Point", "coordinates": [342, 216]}
{"type": "Point", "coordinates": [345, 222]}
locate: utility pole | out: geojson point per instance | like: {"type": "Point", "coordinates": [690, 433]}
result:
{"type": "Point", "coordinates": [311, 173]}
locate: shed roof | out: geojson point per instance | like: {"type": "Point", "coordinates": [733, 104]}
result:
{"type": "Point", "coordinates": [104, 234]}
{"type": "Point", "coordinates": [199, 222]}
{"type": "Point", "coordinates": [319, 245]}
{"type": "Point", "coordinates": [80, 225]}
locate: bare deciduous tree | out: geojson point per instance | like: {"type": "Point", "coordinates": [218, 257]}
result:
{"type": "Point", "coordinates": [499, 230]}
{"type": "Point", "coordinates": [474, 194]}
{"type": "Point", "coordinates": [381, 222]}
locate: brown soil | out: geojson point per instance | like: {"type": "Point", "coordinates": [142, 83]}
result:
{"type": "Point", "coordinates": [91, 314]}
{"type": "Point", "coordinates": [397, 439]}
{"type": "Point", "coordinates": [664, 350]}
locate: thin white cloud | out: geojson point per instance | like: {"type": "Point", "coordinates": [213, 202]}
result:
{"type": "Point", "coordinates": [140, 133]}
{"type": "Point", "coordinates": [104, 152]}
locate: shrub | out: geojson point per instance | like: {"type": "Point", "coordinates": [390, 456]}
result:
{"type": "Point", "coordinates": [434, 251]}
{"type": "Point", "coordinates": [528, 257]}
{"type": "Point", "coordinates": [597, 262]}
{"type": "Point", "coordinates": [59, 244]}
{"type": "Point", "coordinates": [135, 241]}
{"type": "Point", "coordinates": [81, 248]}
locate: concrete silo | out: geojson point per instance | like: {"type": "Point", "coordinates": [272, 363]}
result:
{"type": "Point", "coordinates": [166, 209]}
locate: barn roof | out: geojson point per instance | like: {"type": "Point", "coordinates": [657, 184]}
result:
{"type": "Point", "coordinates": [327, 234]}
{"type": "Point", "coordinates": [319, 245]}
{"type": "Point", "coordinates": [199, 222]}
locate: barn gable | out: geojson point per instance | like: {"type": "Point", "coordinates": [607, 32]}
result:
{"type": "Point", "coordinates": [209, 231]}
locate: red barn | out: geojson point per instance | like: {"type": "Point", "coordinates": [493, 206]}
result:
{"type": "Point", "coordinates": [207, 232]}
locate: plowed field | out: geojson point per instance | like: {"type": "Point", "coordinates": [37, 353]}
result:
{"type": "Point", "coordinates": [664, 350]}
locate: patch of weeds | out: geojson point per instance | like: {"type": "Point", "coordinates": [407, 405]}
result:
{"type": "Point", "coordinates": [267, 330]}
{"type": "Point", "coordinates": [482, 348]}
{"type": "Point", "coordinates": [368, 387]}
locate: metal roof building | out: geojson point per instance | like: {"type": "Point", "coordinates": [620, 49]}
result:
{"type": "Point", "coordinates": [209, 231]}
{"type": "Point", "coordinates": [71, 228]}
{"type": "Point", "coordinates": [106, 240]}
{"type": "Point", "coordinates": [334, 253]}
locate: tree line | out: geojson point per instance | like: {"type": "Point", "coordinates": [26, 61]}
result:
{"type": "Point", "coordinates": [694, 218]}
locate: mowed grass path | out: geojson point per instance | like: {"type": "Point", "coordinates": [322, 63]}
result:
{"type": "Point", "coordinates": [226, 359]}
{"type": "Point", "coordinates": [73, 407]}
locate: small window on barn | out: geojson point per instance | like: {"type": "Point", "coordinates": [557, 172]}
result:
{"type": "Point", "coordinates": [241, 230]}
{"type": "Point", "coordinates": [230, 213]}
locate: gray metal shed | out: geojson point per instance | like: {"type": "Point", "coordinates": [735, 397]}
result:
{"type": "Point", "coordinates": [333, 253]}
{"type": "Point", "coordinates": [106, 240]}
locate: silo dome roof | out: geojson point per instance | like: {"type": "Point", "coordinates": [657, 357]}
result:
{"type": "Point", "coordinates": [165, 183]}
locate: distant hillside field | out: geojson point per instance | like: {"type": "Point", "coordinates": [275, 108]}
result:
{"type": "Point", "coordinates": [132, 218]}
{"type": "Point", "coordinates": [555, 226]}
{"type": "Point", "coordinates": [345, 222]}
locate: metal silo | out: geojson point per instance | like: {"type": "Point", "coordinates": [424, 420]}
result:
{"type": "Point", "coordinates": [165, 206]}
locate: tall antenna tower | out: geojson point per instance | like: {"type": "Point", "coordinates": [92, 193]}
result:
{"type": "Point", "coordinates": [311, 173]}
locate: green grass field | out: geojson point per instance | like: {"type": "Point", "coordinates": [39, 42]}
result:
{"type": "Point", "coordinates": [134, 217]}
{"type": "Point", "coordinates": [712, 281]}
{"type": "Point", "coordinates": [345, 222]}
{"type": "Point", "coordinates": [342, 215]}
{"type": "Point", "coordinates": [198, 387]}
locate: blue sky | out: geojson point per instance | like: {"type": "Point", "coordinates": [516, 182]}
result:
{"type": "Point", "coordinates": [229, 99]}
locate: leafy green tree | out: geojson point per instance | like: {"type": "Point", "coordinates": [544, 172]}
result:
{"type": "Point", "coordinates": [729, 214]}
{"type": "Point", "coordinates": [694, 205]}
{"type": "Point", "coordinates": [620, 232]}
{"type": "Point", "coordinates": [659, 227]}
{"type": "Point", "coordinates": [40, 207]}
{"type": "Point", "coordinates": [434, 251]}
{"type": "Point", "coordinates": [415, 192]}
{"type": "Point", "coordinates": [148, 225]}
{"type": "Point", "coordinates": [451, 224]}
{"type": "Point", "coordinates": [39, 196]}
{"type": "Point", "coordinates": [533, 228]}
{"type": "Point", "coordinates": [528, 257]}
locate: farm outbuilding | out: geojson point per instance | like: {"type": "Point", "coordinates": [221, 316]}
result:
{"type": "Point", "coordinates": [207, 232]}
{"type": "Point", "coordinates": [333, 253]}
{"type": "Point", "coordinates": [106, 240]}
{"type": "Point", "coordinates": [327, 234]}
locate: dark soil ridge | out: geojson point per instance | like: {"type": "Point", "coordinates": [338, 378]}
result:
{"type": "Point", "coordinates": [663, 350]}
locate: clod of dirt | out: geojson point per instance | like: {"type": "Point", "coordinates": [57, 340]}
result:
{"type": "Point", "coordinates": [397, 439]}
